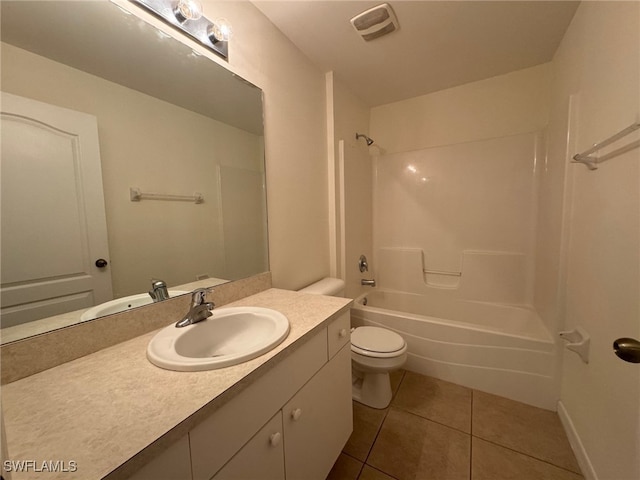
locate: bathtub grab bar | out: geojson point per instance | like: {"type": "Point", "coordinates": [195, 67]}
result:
{"type": "Point", "coordinates": [441, 272]}
{"type": "Point", "coordinates": [591, 162]}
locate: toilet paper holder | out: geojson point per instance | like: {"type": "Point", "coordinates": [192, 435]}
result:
{"type": "Point", "coordinates": [578, 341]}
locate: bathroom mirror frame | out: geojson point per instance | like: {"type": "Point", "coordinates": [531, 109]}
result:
{"type": "Point", "coordinates": [220, 95]}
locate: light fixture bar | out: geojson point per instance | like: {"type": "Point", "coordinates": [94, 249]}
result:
{"type": "Point", "coordinates": [198, 29]}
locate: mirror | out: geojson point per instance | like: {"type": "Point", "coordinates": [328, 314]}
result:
{"type": "Point", "coordinates": [166, 121]}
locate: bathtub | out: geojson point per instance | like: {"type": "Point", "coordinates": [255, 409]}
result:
{"type": "Point", "coordinates": [501, 349]}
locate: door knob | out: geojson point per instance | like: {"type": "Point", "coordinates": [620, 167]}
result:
{"type": "Point", "coordinates": [101, 263]}
{"type": "Point", "coordinates": [628, 349]}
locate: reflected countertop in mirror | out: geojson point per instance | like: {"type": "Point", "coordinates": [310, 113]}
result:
{"type": "Point", "coordinates": [167, 121]}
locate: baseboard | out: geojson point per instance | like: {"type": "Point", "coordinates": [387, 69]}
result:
{"type": "Point", "coordinates": [576, 444]}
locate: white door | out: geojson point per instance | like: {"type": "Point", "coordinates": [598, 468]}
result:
{"type": "Point", "coordinates": [53, 217]}
{"type": "Point", "coordinates": [603, 297]}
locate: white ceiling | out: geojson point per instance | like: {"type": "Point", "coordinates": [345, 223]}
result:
{"type": "Point", "coordinates": [440, 44]}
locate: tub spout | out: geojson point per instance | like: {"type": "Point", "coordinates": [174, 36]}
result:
{"type": "Point", "coordinates": [368, 283]}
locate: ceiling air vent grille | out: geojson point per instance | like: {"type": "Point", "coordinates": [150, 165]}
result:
{"type": "Point", "coordinates": [375, 22]}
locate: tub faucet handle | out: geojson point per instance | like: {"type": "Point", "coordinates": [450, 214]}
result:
{"type": "Point", "coordinates": [362, 264]}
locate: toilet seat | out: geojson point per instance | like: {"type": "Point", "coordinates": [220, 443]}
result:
{"type": "Point", "coordinates": [377, 342]}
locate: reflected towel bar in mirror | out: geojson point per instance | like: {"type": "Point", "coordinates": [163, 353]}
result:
{"type": "Point", "coordinates": [136, 195]}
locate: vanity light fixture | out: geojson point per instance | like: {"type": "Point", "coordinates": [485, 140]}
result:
{"type": "Point", "coordinates": [219, 31]}
{"type": "Point", "coordinates": [187, 10]}
{"type": "Point", "coordinates": [186, 16]}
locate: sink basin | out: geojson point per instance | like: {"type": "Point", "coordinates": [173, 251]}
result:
{"type": "Point", "coordinates": [230, 336]}
{"type": "Point", "coordinates": [121, 304]}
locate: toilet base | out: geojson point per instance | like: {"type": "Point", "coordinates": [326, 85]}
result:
{"type": "Point", "coordinates": [372, 389]}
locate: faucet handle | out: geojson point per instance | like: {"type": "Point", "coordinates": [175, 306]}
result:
{"type": "Point", "coordinates": [158, 290]}
{"type": "Point", "coordinates": [363, 266]}
{"type": "Point", "coordinates": [198, 296]}
{"type": "Point", "coordinates": [158, 284]}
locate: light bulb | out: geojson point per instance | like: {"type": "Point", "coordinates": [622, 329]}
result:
{"type": "Point", "coordinates": [220, 31]}
{"type": "Point", "coordinates": [187, 10]}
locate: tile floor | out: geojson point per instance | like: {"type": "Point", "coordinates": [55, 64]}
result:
{"type": "Point", "coordinates": [436, 430]}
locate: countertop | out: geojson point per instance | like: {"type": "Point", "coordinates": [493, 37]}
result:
{"type": "Point", "coordinates": [106, 408]}
{"type": "Point", "coordinates": [25, 330]}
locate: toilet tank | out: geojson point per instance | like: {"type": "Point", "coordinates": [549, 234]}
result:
{"type": "Point", "coordinates": [333, 287]}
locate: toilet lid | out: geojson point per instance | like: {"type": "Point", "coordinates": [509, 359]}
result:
{"type": "Point", "coordinates": [376, 339]}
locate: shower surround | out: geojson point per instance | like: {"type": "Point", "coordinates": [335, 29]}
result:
{"type": "Point", "coordinates": [470, 208]}
{"type": "Point", "coordinates": [454, 232]}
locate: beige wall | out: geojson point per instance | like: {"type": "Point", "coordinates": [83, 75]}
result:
{"type": "Point", "coordinates": [143, 144]}
{"type": "Point", "coordinates": [355, 165]}
{"type": "Point", "coordinates": [295, 142]}
{"type": "Point", "coordinates": [517, 102]}
{"type": "Point", "coordinates": [597, 72]}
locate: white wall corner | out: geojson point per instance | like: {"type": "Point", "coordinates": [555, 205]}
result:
{"type": "Point", "coordinates": [576, 444]}
{"type": "Point", "coordinates": [331, 181]}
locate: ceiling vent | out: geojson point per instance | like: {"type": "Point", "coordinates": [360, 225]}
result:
{"type": "Point", "coordinates": [375, 22]}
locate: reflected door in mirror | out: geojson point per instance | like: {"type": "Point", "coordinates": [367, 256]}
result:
{"type": "Point", "coordinates": [53, 217]}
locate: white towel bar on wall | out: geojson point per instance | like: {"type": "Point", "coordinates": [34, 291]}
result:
{"type": "Point", "coordinates": [592, 161]}
{"type": "Point", "coordinates": [136, 195]}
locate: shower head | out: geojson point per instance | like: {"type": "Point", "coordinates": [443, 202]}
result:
{"type": "Point", "coordinates": [369, 140]}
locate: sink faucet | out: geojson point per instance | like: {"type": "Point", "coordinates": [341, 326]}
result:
{"type": "Point", "coordinates": [158, 290]}
{"type": "Point", "coordinates": [200, 310]}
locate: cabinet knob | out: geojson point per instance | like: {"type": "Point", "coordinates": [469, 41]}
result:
{"type": "Point", "coordinates": [275, 439]}
{"type": "Point", "coordinates": [342, 333]}
{"type": "Point", "coordinates": [296, 414]}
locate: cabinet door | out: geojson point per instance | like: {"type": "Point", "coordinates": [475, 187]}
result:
{"type": "Point", "coordinates": [219, 437]}
{"type": "Point", "coordinates": [318, 420]}
{"type": "Point", "coordinates": [173, 464]}
{"type": "Point", "coordinates": [338, 333]}
{"type": "Point", "coordinates": [262, 457]}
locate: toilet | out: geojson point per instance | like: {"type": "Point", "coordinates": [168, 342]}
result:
{"type": "Point", "coordinates": [375, 352]}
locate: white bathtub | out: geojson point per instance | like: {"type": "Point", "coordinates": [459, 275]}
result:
{"type": "Point", "coordinates": [500, 349]}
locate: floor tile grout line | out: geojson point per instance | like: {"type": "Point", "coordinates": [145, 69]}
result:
{"type": "Point", "coordinates": [525, 454]}
{"type": "Point", "coordinates": [377, 434]}
{"type": "Point", "coordinates": [471, 438]}
{"type": "Point", "coordinates": [383, 420]}
{"type": "Point", "coordinates": [362, 464]}
{"type": "Point", "coordinates": [471, 413]}
{"type": "Point", "coordinates": [428, 419]}
{"type": "Point", "coordinates": [360, 471]}
{"type": "Point", "coordinates": [351, 456]}
{"type": "Point", "coordinates": [381, 471]}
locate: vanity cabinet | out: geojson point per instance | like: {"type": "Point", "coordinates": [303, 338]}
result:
{"type": "Point", "coordinates": [173, 464]}
{"type": "Point", "coordinates": [300, 409]}
{"type": "Point", "coordinates": [290, 423]}
{"type": "Point", "coordinates": [262, 457]}
{"type": "Point", "coordinates": [318, 420]}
